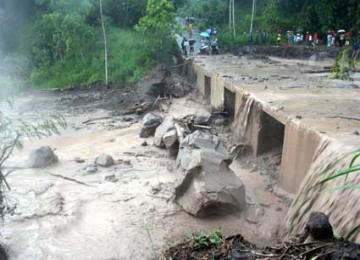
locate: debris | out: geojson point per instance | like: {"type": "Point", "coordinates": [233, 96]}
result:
{"type": "Point", "coordinates": [202, 127]}
{"type": "Point", "coordinates": [220, 121]}
{"type": "Point", "coordinates": [124, 161]}
{"type": "Point", "coordinates": [236, 247]}
{"type": "Point", "coordinates": [90, 168]}
{"type": "Point", "coordinates": [137, 109]}
{"type": "Point", "coordinates": [91, 121]}
{"type": "Point", "coordinates": [155, 189]}
{"type": "Point", "coordinates": [69, 179]}
{"type": "Point", "coordinates": [42, 157]}
{"type": "Point", "coordinates": [127, 119]}
{"type": "Point", "coordinates": [111, 178]}
{"type": "Point", "coordinates": [144, 143]}
{"type": "Point", "coordinates": [79, 160]}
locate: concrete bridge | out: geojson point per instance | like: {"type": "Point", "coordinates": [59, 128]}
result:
{"type": "Point", "coordinates": [286, 105]}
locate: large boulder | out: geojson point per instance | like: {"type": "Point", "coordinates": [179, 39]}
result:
{"type": "Point", "coordinates": [166, 126]}
{"type": "Point", "coordinates": [149, 124]}
{"type": "Point", "coordinates": [205, 184]}
{"type": "Point", "coordinates": [42, 157]}
{"type": "Point", "coordinates": [104, 160]}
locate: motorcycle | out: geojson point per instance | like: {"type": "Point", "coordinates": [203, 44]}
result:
{"type": "Point", "coordinates": [204, 49]}
{"type": "Point", "coordinates": [215, 48]}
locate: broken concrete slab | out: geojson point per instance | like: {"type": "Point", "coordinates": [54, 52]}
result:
{"type": "Point", "coordinates": [202, 117]}
{"type": "Point", "coordinates": [42, 157]}
{"type": "Point", "coordinates": [171, 142]}
{"type": "Point", "coordinates": [166, 126]}
{"type": "Point", "coordinates": [149, 124]}
{"type": "Point", "coordinates": [205, 184]}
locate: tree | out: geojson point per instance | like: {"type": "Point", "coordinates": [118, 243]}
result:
{"type": "Point", "coordinates": [158, 25]}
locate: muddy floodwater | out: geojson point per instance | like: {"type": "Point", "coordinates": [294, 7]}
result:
{"type": "Point", "coordinates": [122, 212]}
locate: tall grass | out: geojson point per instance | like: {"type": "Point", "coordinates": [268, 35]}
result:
{"type": "Point", "coordinates": [128, 62]}
{"type": "Point", "coordinates": [129, 59]}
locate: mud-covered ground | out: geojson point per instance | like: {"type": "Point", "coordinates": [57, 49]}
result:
{"type": "Point", "coordinates": [121, 212]}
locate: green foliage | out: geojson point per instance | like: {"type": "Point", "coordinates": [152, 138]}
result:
{"type": "Point", "coordinates": [128, 62]}
{"type": "Point", "coordinates": [343, 65]}
{"type": "Point", "coordinates": [158, 25]}
{"type": "Point", "coordinates": [212, 12]}
{"type": "Point", "coordinates": [214, 239]}
{"type": "Point", "coordinates": [58, 37]}
{"type": "Point", "coordinates": [148, 233]}
{"type": "Point", "coordinates": [351, 169]}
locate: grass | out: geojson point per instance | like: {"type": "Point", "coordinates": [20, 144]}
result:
{"type": "Point", "coordinates": [201, 239]}
{"type": "Point", "coordinates": [148, 233]}
{"type": "Point", "coordinates": [352, 168]}
{"type": "Point", "coordinates": [128, 62]}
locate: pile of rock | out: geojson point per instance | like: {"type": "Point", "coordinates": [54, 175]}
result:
{"type": "Point", "coordinates": [205, 183]}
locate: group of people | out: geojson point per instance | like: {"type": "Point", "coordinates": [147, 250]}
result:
{"type": "Point", "coordinates": [299, 37]}
{"type": "Point", "coordinates": [185, 43]}
{"type": "Point", "coordinates": [208, 42]}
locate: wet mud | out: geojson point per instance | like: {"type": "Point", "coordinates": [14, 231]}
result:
{"type": "Point", "coordinates": [122, 212]}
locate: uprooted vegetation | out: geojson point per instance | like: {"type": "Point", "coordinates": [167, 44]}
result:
{"type": "Point", "coordinates": [317, 242]}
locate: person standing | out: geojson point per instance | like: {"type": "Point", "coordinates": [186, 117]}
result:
{"type": "Point", "coordinates": [263, 37]}
{"type": "Point", "coordinates": [329, 39]}
{"type": "Point", "coordinates": [190, 30]}
{"type": "Point", "coordinates": [184, 44]}
{"type": "Point", "coordinates": [316, 39]}
{"type": "Point", "coordinates": [278, 38]}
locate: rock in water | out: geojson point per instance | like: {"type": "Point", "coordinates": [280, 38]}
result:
{"type": "Point", "coordinates": [42, 157]}
{"type": "Point", "coordinates": [205, 184]}
{"type": "Point", "coordinates": [104, 160]}
{"type": "Point", "coordinates": [149, 125]}
{"type": "Point", "coordinates": [165, 127]}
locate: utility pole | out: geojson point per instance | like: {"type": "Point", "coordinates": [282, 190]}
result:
{"type": "Point", "coordinates": [105, 44]}
{"type": "Point", "coordinates": [252, 18]}
{"type": "Point", "coordinates": [232, 17]}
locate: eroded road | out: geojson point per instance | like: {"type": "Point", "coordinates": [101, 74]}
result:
{"type": "Point", "coordinates": [106, 214]}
